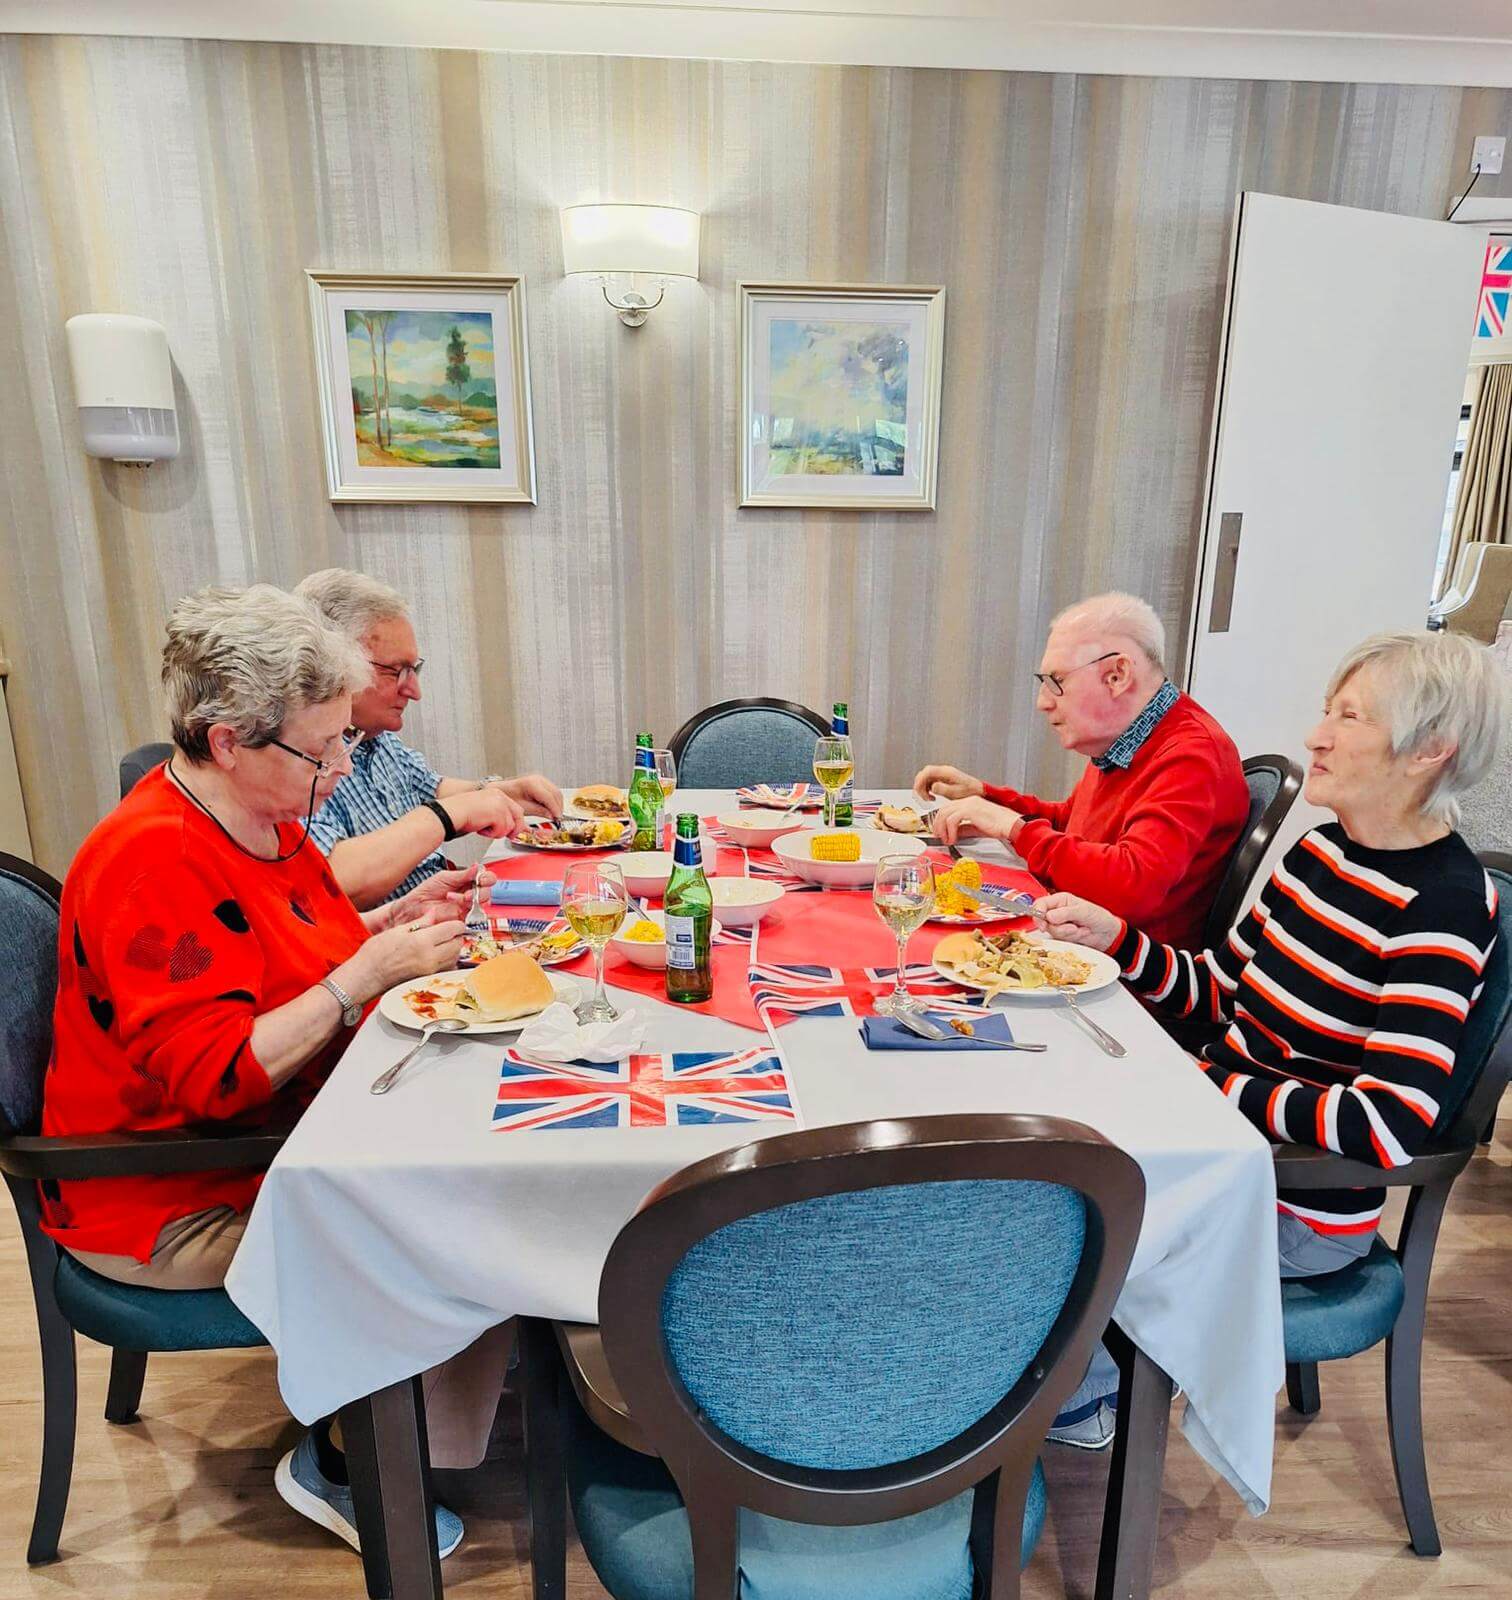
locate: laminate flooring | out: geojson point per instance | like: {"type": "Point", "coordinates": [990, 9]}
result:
{"type": "Point", "coordinates": [182, 1503]}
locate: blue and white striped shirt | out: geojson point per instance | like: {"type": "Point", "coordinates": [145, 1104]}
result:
{"type": "Point", "coordinates": [387, 779]}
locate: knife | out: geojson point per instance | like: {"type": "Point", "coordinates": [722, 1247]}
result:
{"type": "Point", "coordinates": [1018, 905]}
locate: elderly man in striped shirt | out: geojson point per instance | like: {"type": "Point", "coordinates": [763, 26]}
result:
{"type": "Point", "coordinates": [1344, 990]}
{"type": "Point", "coordinates": [385, 823]}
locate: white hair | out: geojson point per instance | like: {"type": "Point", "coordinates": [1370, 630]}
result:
{"type": "Point", "coordinates": [1436, 687]}
{"type": "Point", "coordinates": [1123, 615]}
{"type": "Point", "coordinates": [352, 601]}
{"type": "Point", "coordinates": [248, 658]}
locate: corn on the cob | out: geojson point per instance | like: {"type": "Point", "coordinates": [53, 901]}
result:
{"type": "Point", "coordinates": [836, 847]}
{"type": "Point", "coordinates": [949, 901]}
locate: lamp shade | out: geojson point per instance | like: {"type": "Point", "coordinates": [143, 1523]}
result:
{"type": "Point", "coordinates": [661, 241]}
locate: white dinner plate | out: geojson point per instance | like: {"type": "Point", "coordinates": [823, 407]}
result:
{"type": "Point", "coordinates": [1104, 972]}
{"type": "Point", "coordinates": [397, 1009]}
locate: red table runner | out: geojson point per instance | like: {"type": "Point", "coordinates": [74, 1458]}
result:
{"type": "Point", "coordinates": [808, 930]}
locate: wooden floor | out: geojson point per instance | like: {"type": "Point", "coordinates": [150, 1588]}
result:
{"type": "Point", "coordinates": [182, 1503]}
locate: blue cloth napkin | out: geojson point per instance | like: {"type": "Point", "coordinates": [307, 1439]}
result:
{"type": "Point", "coordinates": [527, 892]}
{"type": "Point", "coordinates": [882, 1033]}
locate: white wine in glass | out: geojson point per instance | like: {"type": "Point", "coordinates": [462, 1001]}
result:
{"type": "Point", "coordinates": [903, 894]}
{"type": "Point", "coordinates": [666, 776]}
{"type": "Point", "coordinates": [594, 903]}
{"type": "Point", "coordinates": [833, 765]}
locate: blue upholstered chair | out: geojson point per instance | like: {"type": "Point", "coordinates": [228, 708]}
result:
{"type": "Point", "coordinates": [1385, 1295]}
{"type": "Point", "coordinates": [1274, 782]}
{"type": "Point", "coordinates": [136, 764]}
{"type": "Point", "coordinates": [747, 741]}
{"type": "Point", "coordinates": [826, 1362]}
{"type": "Point", "coordinates": [68, 1296]}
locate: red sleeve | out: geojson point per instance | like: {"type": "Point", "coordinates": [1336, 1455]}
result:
{"type": "Point", "coordinates": [1053, 812]}
{"type": "Point", "coordinates": [186, 976]}
{"type": "Point", "coordinates": [1164, 829]}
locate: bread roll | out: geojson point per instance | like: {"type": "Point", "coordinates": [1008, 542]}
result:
{"type": "Point", "coordinates": [508, 986]}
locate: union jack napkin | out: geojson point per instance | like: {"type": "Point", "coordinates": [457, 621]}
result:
{"type": "Point", "coordinates": [782, 992]}
{"type": "Point", "coordinates": [676, 1090]}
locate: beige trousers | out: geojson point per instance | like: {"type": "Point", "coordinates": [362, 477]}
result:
{"type": "Point", "coordinates": [461, 1395]}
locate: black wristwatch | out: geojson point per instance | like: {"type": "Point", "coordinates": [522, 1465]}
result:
{"type": "Point", "coordinates": [449, 827]}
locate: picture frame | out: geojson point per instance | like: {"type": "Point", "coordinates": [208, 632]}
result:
{"type": "Point", "coordinates": [424, 386]}
{"type": "Point", "coordinates": [840, 394]}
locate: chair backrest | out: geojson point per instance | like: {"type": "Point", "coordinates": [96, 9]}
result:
{"type": "Point", "coordinates": [1486, 598]}
{"type": "Point", "coordinates": [1274, 783]}
{"type": "Point", "coordinates": [29, 936]}
{"type": "Point", "coordinates": [851, 1324]}
{"type": "Point", "coordinates": [747, 741]}
{"type": "Point", "coordinates": [1487, 1039]}
{"type": "Point", "coordinates": [136, 764]}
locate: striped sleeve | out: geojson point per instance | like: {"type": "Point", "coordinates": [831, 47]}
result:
{"type": "Point", "coordinates": [1435, 954]}
{"type": "Point", "coordinates": [1182, 984]}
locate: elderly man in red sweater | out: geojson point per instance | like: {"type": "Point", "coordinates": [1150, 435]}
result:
{"type": "Point", "coordinates": [1152, 821]}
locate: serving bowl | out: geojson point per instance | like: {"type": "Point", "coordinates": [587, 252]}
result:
{"type": "Point", "coordinates": [755, 830]}
{"type": "Point", "coordinates": [743, 902]}
{"type": "Point", "coordinates": [643, 952]}
{"type": "Point", "coordinates": [794, 850]}
{"type": "Point", "coordinates": [646, 872]}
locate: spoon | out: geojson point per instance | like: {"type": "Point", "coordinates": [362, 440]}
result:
{"type": "Point", "coordinates": [385, 1082]}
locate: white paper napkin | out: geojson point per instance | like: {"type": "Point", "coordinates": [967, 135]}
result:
{"type": "Point", "coordinates": [557, 1035]}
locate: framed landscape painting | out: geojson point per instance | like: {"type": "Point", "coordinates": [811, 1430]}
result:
{"type": "Point", "coordinates": [840, 394]}
{"type": "Point", "coordinates": [424, 386]}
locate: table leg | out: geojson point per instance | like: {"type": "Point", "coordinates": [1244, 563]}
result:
{"type": "Point", "coordinates": [1131, 1516]}
{"type": "Point", "coordinates": [388, 1458]}
{"type": "Point", "coordinates": [545, 1470]}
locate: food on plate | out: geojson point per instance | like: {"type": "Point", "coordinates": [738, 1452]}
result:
{"type": "Point", "coordinates": [961, 1025]}
{"type": "Point", "coordinates": [835, 847]}
{"type": "Point", "coordinates": [437, 998]}
{"type": "Point", "coordinates": [643, 933]}
{"type": "Point", "coordinates": [1011, 961]}
{"type": "Point", "coordinates": [556, 944]}
{"type": "Point", "coordinates": [578, 832]}
{"type": "Point", "coordinates": [601, 800]}
{"type": "Point", "coordinates": [475, 952]}
{"type": "Point", "coordinates": [949, 901]}
{"type": "Point", "coordinates": [510, 985]}
{"type": "Point", "coordinates": [900, 819]}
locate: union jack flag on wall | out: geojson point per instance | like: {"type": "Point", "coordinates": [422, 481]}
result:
{"type": "Point", "coordinates": [646, 1091]}
{"type": "Point", "coordinates": [1496, 290]}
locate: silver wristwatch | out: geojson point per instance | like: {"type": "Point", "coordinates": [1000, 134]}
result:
{"type": "Point", "coordinates": [351, 1012]}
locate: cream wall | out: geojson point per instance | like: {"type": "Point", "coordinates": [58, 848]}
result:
{"type": "Point", "coordinates": [1080, 224]}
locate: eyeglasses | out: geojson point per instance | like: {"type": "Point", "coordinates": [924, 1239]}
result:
{"type": "Point", "coordinates": [346, 741]}
{"type": "Point", "coordinates": [398, 670]}
{"type": "Point", "coordinates": [1055, 682]}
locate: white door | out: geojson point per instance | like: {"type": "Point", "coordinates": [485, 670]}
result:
{"type": "Point", "coordinates": [1345, 350]}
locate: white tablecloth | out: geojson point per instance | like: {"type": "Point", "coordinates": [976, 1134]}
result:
{"type": "Point", "coordinates": [392, 1230]}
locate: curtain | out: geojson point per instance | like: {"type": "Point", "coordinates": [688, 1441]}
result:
{"type": "Point", "coordinates": [1483, 506]}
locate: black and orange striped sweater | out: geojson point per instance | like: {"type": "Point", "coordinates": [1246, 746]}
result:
{"type": "Point", "coordinates": [1345, 990]}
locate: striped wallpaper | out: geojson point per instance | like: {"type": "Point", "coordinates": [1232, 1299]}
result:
{"type": "Point", "coordinates": [1080, 224]}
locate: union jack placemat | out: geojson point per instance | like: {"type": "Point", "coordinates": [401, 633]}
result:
{"type": "Point", "coordinates": [673, 1090]}
{"type": "Point", "coordinates": [782, 991]}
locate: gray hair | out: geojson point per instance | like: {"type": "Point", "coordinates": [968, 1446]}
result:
{"type": "Point", "coordinates": [352, 601]}
{"type": "Point", "coordinates": [1123, 614]}
{"type": "Point", "coordinates": [1436, 686]}
{"type": "Point", "coordinates": [248, 658]}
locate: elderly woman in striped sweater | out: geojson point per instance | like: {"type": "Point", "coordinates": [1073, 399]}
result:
{"type": "Point", "coordinates": [1345, 988]}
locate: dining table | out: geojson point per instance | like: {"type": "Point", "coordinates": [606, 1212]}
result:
{"type": "Point", "coordinates": [392, 1231]}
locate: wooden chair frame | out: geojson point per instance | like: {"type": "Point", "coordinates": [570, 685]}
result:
{"type": "Point", "coordinates": [679, 740]}
{"type": "Point", "coordinates": [26, 1161]}
{"type": "Point", "coordinates": [1430, 1176]}
{"type": "Point", "coordinates": [1251, 849]}
{"type": "Point", "coordinates": [622, 1378]}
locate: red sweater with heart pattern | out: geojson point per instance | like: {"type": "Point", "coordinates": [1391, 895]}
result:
{"type": "Point", "coordinates": [171, 941]}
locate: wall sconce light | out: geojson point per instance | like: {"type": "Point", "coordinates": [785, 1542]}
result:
{"type": "Point", "coordinates": [607, 240]}
{"type": "Point", "coordinates": [123, 387]}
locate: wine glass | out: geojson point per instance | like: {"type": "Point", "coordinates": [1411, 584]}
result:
{"type": "Point", "coordinates": [666, 775]}
{"type": "Point", "coordinates": [833, 766]}
{"type": "Point", "coordinates": [903, 893]}
{"type": "Point", "coordinates": [594, 903]}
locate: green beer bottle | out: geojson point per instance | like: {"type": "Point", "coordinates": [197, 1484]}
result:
{"type": "Point", "coordinates": [689, 911]}
{"type": "Point", "coordinates": [645, 795]}
{"type": "Point", "coordinates": [845, 813]}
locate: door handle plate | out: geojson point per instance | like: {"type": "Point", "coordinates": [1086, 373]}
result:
{"type": "Point", "coordinates": [1225, 569]}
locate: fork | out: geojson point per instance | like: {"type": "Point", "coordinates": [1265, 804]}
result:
{"type": "Point", "coordinates": [1105, 1040]}
{"type": "Point", "coordinates": [476, 921]}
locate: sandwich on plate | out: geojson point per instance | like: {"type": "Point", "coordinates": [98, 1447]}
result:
{"type": "Point", "coordinates": [601, 800]}
{"type": "Point", "coordinates": [509, 986]}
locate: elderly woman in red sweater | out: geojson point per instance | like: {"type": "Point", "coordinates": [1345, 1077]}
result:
{"type": "Point", "coordinates": [209, 966]}
{"type": "Point", "coordinates": [1152, 821]}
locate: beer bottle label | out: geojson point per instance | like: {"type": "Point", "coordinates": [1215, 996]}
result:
{"type": "Point", "coordinates": [681, 950]}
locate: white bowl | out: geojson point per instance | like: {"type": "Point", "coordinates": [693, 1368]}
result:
{"type": "Point", "coordinates": [645, 872]}
{"type": "Point", "coordinates": [793, 849]}
{"type": "Point", "coordinates": [645, 954]}
{"type": "Point", "coordinates": [742, 902]}
{"type": "Point", "coordinates": [755, 830]}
